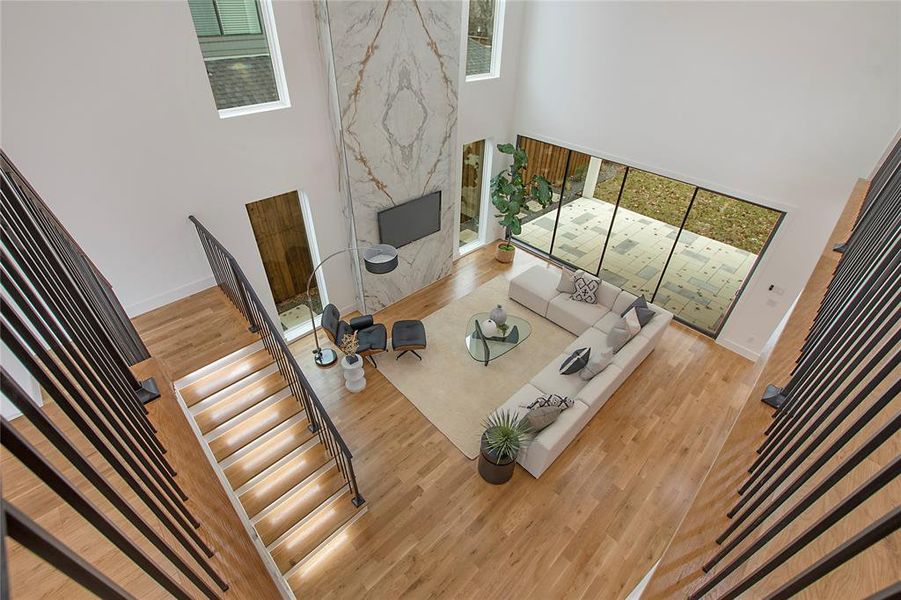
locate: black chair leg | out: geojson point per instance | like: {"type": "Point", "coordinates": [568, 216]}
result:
{"type": "Point", "coordinates": [414, 352]}
{"type": "Point", "coordinates": [372, 360]}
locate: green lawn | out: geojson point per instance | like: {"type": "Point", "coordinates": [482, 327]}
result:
{"type": "Point", "coordinates": [734, 222]}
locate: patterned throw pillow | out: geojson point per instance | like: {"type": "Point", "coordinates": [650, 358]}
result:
{"type": "Point", "coordinates": [540, 417]}
{"type": "Point", "coordinates": [575, 361]}
{"type": "Point", "coordinates": [644, 313]}
{"type": "Point", "coordinates": [586, 288]}
{"type": "Point", "coordinates": [550, 400]}
{"type": "Point", "coordinates": [597, 364]}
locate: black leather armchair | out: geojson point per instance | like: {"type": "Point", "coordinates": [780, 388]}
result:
{"type": "Point", "coordinates": [372, 337]}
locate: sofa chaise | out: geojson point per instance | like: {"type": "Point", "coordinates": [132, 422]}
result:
{"type": "Point", "coordinates": [536, 289]}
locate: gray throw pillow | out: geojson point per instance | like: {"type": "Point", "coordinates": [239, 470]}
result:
{"type": "Point", "coordinates": [540, 417]}
{"type": "Point", "coordinates": [596, 364]}
{"type": "Point", "coordinates": [575, 361]}
{"type": "Point", "coordinates": [566, 285]}
{"type": "Point", "coordinates": [644, 313]}
{"type": "Point", "coordinates": [619, 335]}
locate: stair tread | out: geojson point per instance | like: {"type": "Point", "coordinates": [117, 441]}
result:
{"type": "Point", "coordinates": [221, 378]}
{"type": "Point", "coordinates": [241, 400]}
{"type": "Point", "coordinates": [299, 505]}
{"type": "Point", "coordinates": [302, 542]}
{"type": "Point", "coordinates": [283, 479]}
{"type": "Point", "coordinates": [254, 427]}
{"type": "Point", "coordinates": [267, 454]}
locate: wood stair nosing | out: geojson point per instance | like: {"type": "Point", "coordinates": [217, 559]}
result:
{"type": "Point", "coordinates": [251, 412]}
{"type": "Point", "coordinates": [299, 506]}
{"type": "Point", "coordinates": [254, 427]}
{"type": "Point", "coordinates": [297, 547]}
{"type": "Point", "coordinates": [233, 405]}
{"type": "Point", "coordinates": [225, 376]}
{"type": "Point", "coordinates": [256, 499]}
{"type": "Point", "coordinates": [312, 554]}
{"type": "Point", "coordinates": [247, 472]}
{"type": "Point", "coordinates": [217, 364]}
{"type": "Point", "coordinates": [298, 421]}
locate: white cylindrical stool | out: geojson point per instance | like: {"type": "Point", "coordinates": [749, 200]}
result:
{"type": "Point", "coordinates": [354, 378]}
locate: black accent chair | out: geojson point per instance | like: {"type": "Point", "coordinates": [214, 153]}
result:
{"type": "Point", "coordinates": [372, 337]}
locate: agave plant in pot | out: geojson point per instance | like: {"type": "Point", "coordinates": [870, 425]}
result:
{"type": "Point", "coordinates": [505, 435]}
{"type": "Point", "coordinates": [511, 195]}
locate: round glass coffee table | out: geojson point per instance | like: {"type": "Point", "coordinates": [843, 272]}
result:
{"type": "Point", "coordinates": [485, 349]}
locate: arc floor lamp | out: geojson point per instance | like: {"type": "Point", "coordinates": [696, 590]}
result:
{"type": "Point", "coordinates": [378, 260]}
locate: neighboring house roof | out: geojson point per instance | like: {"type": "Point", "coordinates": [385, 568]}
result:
{"type": "Point", "coordinates": [242, 81]}
{"type": "Point", "coordinates": [478, 57]}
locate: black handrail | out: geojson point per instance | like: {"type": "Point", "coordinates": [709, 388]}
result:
{"type": "Point", "coordinates": [235, 285]}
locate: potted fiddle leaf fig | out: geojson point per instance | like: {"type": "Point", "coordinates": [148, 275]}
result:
{"type": "Point", "coordinates": [511, 195]}
{"type": "Point", "coordinates": [505, 435]}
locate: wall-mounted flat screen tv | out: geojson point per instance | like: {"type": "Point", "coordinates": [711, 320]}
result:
{"type": "Point", "coordinates": [410, 221]}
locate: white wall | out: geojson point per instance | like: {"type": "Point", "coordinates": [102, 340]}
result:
{"type": "Point", "coordinates": [487, 105]}
{"type": "Point", "coordinates": [784, 104]}
{"type": "Point", "coordinates": [107, 109]}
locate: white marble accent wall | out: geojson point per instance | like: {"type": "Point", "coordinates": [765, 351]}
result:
{"type": "Point", "coordinates": [396, 66]}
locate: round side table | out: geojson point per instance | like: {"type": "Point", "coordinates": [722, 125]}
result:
{"type": "Point", "coordinates": [354, 378]}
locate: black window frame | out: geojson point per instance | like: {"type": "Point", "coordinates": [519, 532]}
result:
{"type": "Point", "coordinates": [697, 188]}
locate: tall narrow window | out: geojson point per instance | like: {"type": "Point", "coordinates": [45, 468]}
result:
{"type": "Point", "coordinates": [288, 252]}
{"type": "Point", "coordinates": [483, 38]}
{"type": "Point", "coordinates": [238, 43]}
{"type": "Point", "coordinates": [471, 194]}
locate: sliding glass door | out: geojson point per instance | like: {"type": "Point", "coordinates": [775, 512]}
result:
{"type": "Point", "coordinates": [650, 212]}
{"type": "Point", "coordinates": [688, 249]}
{"type": "Point", "coordinates": [715, 252]}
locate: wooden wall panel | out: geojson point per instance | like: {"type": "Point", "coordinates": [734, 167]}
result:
{"type": "Point", "coordinates": [281, 236]}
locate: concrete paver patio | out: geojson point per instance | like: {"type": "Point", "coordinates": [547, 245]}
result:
{"type": "Point", "coordinates": [701, 282]}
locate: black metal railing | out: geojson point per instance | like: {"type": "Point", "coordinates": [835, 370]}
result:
{"type": "Point", "coordinates": [64, 328]}
{"type": "Point", "coordinates": [838, 409]}
{"type": "Point", "coordinates": [234, 284]}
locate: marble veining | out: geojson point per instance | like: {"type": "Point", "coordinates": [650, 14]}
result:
{"type": "Point", "coordinates": [395, 66]}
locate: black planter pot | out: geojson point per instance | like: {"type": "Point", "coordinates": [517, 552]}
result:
{"type": "Point", "coordinates": [492, 469]}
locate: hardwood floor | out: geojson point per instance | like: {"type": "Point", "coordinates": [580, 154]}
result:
{"type": "Point", "coordinates": [591, 527]}
{"type": "Point", "coordinates": [236, 559]}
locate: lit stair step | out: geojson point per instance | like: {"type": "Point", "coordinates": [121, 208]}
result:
{"type": "Point", "coordinates": [216, 365]}
{"type": "Point", "coordinates": [301, 506]}
{"type": "Point", "coordinates": [225, 376]}
{"type": "Point", "coordinates": [254, 427]}
{"type": "Point", "coordinates": [265, 494]}
{"type": "Point", "coordinates": [233, 389]}
{"type": "Point", "coordinates": [321, 551]}
{"type": "Point", "coordinates": [299, 546]}
{"type": "Point", "coordinates": [243, 474]}
{"type": "Point", "coordinates": [243, 399]}
{"type": "Point", "coordinates": [247, 449]}
{"type": "Point", "coordinates": [245, 415]}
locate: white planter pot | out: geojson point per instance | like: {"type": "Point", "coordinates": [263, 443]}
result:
{"type": "Point", "coordinates": [354, 378]}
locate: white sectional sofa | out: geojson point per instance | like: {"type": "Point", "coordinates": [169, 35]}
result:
{"type": "Point", "coordinates": [536, 289]}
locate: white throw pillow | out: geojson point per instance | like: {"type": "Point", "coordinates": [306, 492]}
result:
{"type": "Point", "coordinates": [596, 364]}
{"type": "Point", "coordinates": [566, 285]}
{"type": "Point", "coordinates": [632, 320]}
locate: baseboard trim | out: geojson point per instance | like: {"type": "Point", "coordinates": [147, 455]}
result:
{"type": "Point", "coordinates": [144, 306]}
{"type": "Point", "coordinates": [738, 349]}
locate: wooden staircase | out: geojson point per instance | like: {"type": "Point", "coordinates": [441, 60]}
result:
{"type": "Point", "coordinates": [293, 497]}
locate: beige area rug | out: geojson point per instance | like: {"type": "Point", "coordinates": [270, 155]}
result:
{"type": "Point", "coordinates": [454, 391]}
